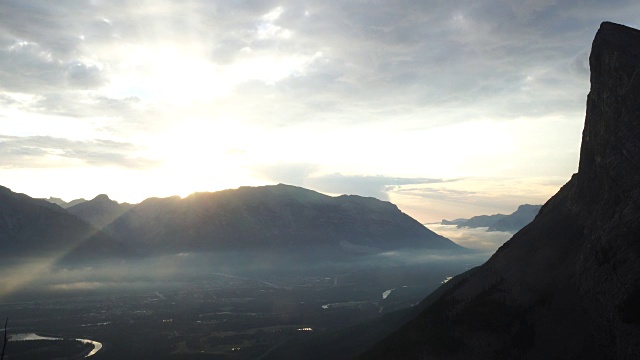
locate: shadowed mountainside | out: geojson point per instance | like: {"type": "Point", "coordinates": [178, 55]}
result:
{"type": "Point", "coordinates": [37, 228]}
{"type": "Point", "coordinates": [567, 286]}
{"type": "Point", "coordinates": [99, 211]}
{"type": "Point", "coordinates": [272, 217]}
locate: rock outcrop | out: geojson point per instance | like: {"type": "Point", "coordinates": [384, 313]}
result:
{"type": "Point", "coordinates": [567, 286]}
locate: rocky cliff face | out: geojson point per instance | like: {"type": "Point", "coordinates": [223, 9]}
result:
{"type": "Point", "coordinates": [567, 286]}
{"type": "Point", "coordinates": [271, 217]}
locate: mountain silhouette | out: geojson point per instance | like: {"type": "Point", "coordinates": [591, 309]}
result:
{"type": "Point", "coordinates": [99, 211]}
{"type": "Point", "coordinates": [516, 220]}
{"type": "Point", "coordinates": [567, 286]}
{"type": "Point", "coordinates": [272, 217]}
{"type": "Point", "coordinates": [476, 221]}
{"type": "Point", "coordinates": [499, 222]}
{"type": "Point", "coordinates": [63, 204]}
{"type": "Point", "coordinates": [36, 228]}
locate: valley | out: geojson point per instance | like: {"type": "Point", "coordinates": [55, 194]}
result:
{"type": "Point", "coordinates": [237, 315]}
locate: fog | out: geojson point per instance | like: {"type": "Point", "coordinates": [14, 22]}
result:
{"type": "Point", "coordinates": [33, 277]}
{"type": "Point", "coordinates": [473, 238]}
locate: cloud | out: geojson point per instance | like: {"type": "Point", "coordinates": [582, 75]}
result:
{"type": "Point", "coordinates": [374, 186]}
{"type": "Point", "coordinates": [310, 175]}
{"type": "Point", "coordinates": [287, 173]}
{"type": "Point", "coordinates": [83, 75]}
{"type": "Point", "coordinates": [387, 73]}
{"type": "Point", "coordinates": [433, 202]}
{"type": "Point", "coordinates": [450, 195]}
{"type": "Point", "coordinates": [45, 151]}
{"type": "Point", "coordinates": [378, 58]}
{"type": "Point", "coordinates": [83, 106]}
{"type": "Point", "coordinates": [477, 238]}
{"type": "Point", "coordinates": [580, 64]}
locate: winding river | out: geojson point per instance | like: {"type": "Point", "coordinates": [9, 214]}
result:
{"type": "Point", "coordinates": [33, 336]}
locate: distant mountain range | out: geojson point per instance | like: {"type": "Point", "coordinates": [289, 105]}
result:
{"type": "Point", "coordinates": [499, 222]}
{"type": "Point", "coordinates": [567, 286]}
{"type": "Point", "coordinates": [63, 204]}
{"type": "Point", "coordinates": [271, 217]}
{"type": "Point", "coordinates": [99, 211]}
{"type": "Point", "coordinates": [278, 218]}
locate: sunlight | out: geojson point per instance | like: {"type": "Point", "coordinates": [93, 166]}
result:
{"type": "Point", "coordinates": [182, 76]}
{"type": "Point", "coordinates": [167, 73]}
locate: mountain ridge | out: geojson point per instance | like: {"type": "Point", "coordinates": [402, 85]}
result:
{"type": "Point", "coordinates": [99, 211]}
{"type": "Point", "coordinates": [513, 222]}
{"type": "Point", "coordinates": [37, 228]}
{"type": "Point", "coordinates": [63, 204]}
{"type": "Point", "coordinates": [273, 216]}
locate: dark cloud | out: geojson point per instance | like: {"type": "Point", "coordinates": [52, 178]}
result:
{"type": "Point", "coordinates": [84, 76]}
{"type": "Point", "coordinates": [28, 67]}
{"type": "Point", "coordinates": [46, 151]}
{"type": "Point", "coordinates": [387, 57]}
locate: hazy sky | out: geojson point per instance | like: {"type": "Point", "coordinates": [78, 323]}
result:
{"type": "Point", "coordinates": [446, 108]}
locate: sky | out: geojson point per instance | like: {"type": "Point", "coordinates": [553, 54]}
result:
{"type": "Point", "coordinates": [448, 109]}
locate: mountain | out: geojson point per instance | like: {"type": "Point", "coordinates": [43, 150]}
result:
{"type": "Point", "coordinates": [566, 286]}
{"type": "Point", "coordinates": [476, 221]}
{"type": "Point", "coordinates": [516, 220]}
{"type": "Point", "coordinates": [272, 217]}
{"type": "Point", "coordinates": [37, 228]}
{"type": "Point", "coordinates": [499, 222]}
{"type": "Point", "coordinates": [63, 204]}
{"type": "Point", "coordinates": [99, 211]}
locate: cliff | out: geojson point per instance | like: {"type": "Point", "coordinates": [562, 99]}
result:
{"type": "Point", "coordinates": [567, 286]}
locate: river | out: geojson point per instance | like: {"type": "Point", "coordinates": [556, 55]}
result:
{"type": "Point", "coordinates": [33, 336]}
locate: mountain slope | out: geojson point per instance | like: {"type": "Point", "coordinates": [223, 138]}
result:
{"type": "Point", "coordinates": [37, 228]}
{"type": "Point", "coordinates": [476, 221]}
{"type": "Point", "coordinates": [516, 220]}
{"type": "Point", "coordinates": [567, 286]}
{"type": "Point", "coordinates": [499, 222]}
{"type": "Point", "coordinates": [100, 210]}
{"type": "Point", "coordinates": [63, 204]}
{"type": "Point", "coordinates": [272, 217]}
